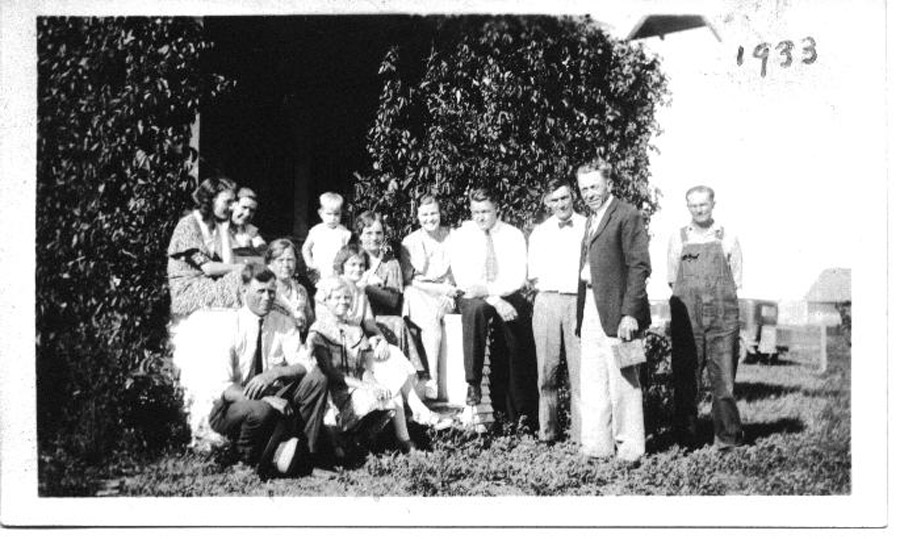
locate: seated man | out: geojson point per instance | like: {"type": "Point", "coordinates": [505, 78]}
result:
{"type": "Point", "coordinates": [273, 399]}
{"type": "Point", "coordinates": [488, 259]}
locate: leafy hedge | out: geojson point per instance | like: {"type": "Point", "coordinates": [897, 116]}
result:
{"type": "Point", "coordinates": [116, 99]}
{"type": "Point", "coordinates": [510, 102]}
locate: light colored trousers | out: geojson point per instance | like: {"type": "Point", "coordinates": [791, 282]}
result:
{"type": "Point", "coordinates": [553, 324]}
{"type": "Point", "coordinates": [612, 414]}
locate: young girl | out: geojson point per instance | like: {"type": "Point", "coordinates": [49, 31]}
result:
{"type": "Point", "coordinates": [365, 373]}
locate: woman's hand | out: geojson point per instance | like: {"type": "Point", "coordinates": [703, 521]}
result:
{"type": "Point", "coordinates": [380, 348]}
{"type": "Point", "coordinates": [380, 392]}
{"type": "Point", "coordinates": [448, 303]}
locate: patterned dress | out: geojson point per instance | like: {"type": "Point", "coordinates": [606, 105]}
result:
{"type": "Point", "coordinates": [293, 300]}
{"type": "Point", "coordinates": [193, 245]}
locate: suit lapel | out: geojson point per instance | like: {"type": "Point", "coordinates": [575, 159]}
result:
{"type": "Point", "coordinates": [605, 221]}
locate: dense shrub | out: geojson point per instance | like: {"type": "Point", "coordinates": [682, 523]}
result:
{"type": "Point", "coordinates": [116, 99]}
{"type": "Point", "coordinates": [510, 102]}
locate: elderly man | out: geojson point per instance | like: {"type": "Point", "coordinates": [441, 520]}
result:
{"type": "Point", "coordinates": [554, 249]}
{"type": "Point", "coordinates": [704, 271]}
{"type": "Point", "coordinates": [489, 261]}
{"type": "Point", "coordinates": [612, 308]}
{"type": "Point", "coordinates": [273, 399]}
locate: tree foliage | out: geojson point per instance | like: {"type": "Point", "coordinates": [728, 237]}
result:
{"type": "Point", "coordinates": [116, 99]}
{"type": "Point", "coordinates": [510, 102]}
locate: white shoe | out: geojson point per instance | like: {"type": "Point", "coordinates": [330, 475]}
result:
{"type": "Point", "coordinates": [434, 420]}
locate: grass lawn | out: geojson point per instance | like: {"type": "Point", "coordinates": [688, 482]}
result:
{"type": "Point", "coordinates": [796, 421]}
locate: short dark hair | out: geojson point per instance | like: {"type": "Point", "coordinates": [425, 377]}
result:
{"type": "Point", "coordinates": [254, 271]}
{"type": "Point", "coordinates": [279, 246]}
{"type": "Point", "coordinates": [701, 189]}
{"type": "Point", "coordinates": [205, 194]}
{"type": "Point", "coordinates": [346, 253]}
{"type": "Point", "coordinates": [558, 183]}
{"type": "Point", "coordinates": [595, 165]}
{"type": "Point", "coordinates": [482, 194]}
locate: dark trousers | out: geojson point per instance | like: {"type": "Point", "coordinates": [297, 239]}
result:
{"type": "Point", "coordinates": [700, 341]}
{"type": "Point", "coordinates": [251, 422]}
{"type": "Point", "coordinates": [513, 365]}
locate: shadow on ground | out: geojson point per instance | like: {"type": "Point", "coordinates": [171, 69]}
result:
{"type": "Point", "coordinates": [753, 432]}
{"type": "Point", "coordinates": [755, 391]}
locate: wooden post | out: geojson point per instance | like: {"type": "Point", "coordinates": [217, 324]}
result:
{"type": "Point", "coordinates": [823, 348]}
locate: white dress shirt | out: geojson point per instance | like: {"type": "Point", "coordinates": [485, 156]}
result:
{"type": "Point", "coordinates": [594, 224]}
{"type": "Point", "coordinates": [554, 254]}
{"type": "Point", "coordinates": [468, 253]}
{"type": "Point", "coordinates": [730, 246]}
{"type": "Point", "coordinates": [281, 345]}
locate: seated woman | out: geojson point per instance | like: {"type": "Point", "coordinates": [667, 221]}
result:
{"type": "Point", "coordinates": [383, 284]}
{"type": "Point", "coordinates": [245, 236]}
{"type": "Point", "coordinates": [365, 373]}
{"type": "Point", "coordinates": [199, 276]}
{"type": "Point", "coordinates": [430, 292]}
{"type": "Point", "coordinates": [291, 297]}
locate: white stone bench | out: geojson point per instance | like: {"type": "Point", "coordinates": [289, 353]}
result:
{"type": "Point", "coordinates": [199, 342]}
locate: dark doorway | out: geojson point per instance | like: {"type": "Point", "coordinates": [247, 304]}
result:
{"type": "Point", "coordinates": [306, 94]}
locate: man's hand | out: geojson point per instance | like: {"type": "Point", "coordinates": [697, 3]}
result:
{"type": "Point", "coordinates": [506, 311]}
{"type": "Point", "coordinates": [628, 326]}
{"type": "Point", "coordinates": [258, 384]}
{"type": "Point", "coordinates": [280, 404]}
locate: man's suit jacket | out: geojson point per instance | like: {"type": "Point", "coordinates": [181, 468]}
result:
{"type": "Point", "coordinates": [620, 266]}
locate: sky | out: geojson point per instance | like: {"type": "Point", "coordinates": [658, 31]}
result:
{"type": "Point", "coordinates": [794, 157]}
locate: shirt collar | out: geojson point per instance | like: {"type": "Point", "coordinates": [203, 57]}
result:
{"type": "Point", "coordinates": [249, 316]}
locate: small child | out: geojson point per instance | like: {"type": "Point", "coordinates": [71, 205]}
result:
{"type": "Point", "coordinates": [243, 234]}
{"type": "Point", "coordinates": [326, 238]}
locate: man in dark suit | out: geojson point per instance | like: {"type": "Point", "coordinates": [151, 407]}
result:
{"type": "Point", "coordinates": [612, 308]}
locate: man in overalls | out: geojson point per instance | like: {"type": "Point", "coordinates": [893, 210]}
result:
{"type": "Point", "coordinates": [704, 271]}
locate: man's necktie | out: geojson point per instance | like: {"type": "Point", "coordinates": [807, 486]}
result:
{"type": "Point", "coordinates": [257, 367]}
{"type": "Point", "coordinates": [490, 259]}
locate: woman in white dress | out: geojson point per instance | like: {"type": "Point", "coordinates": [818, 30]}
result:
{"type": "Point", "coordinates": [430, 292]}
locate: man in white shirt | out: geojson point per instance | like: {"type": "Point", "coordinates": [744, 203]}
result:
{"type": "Point", "coordinates": [704, 271]}
{"type": "Point", "coordinates": [273, 398]}
{"type": "Point", "coordinates": [554, 251]}
{"type": "Point", "coordinates": [489, 262]}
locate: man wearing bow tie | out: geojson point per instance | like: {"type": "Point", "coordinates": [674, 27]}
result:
{"type": "Point", "coordinates": [612, 307]}
{"type": "Point", "coordinates": [553, 257]}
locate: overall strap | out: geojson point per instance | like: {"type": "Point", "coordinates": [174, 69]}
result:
{"type": "Point", "coordinates": [684, 237]}
{"type": "Point", "coordinates": [720, 233]}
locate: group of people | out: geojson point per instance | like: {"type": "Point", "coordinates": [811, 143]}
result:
{"type": "Point", "coordinates": [350, 364]}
